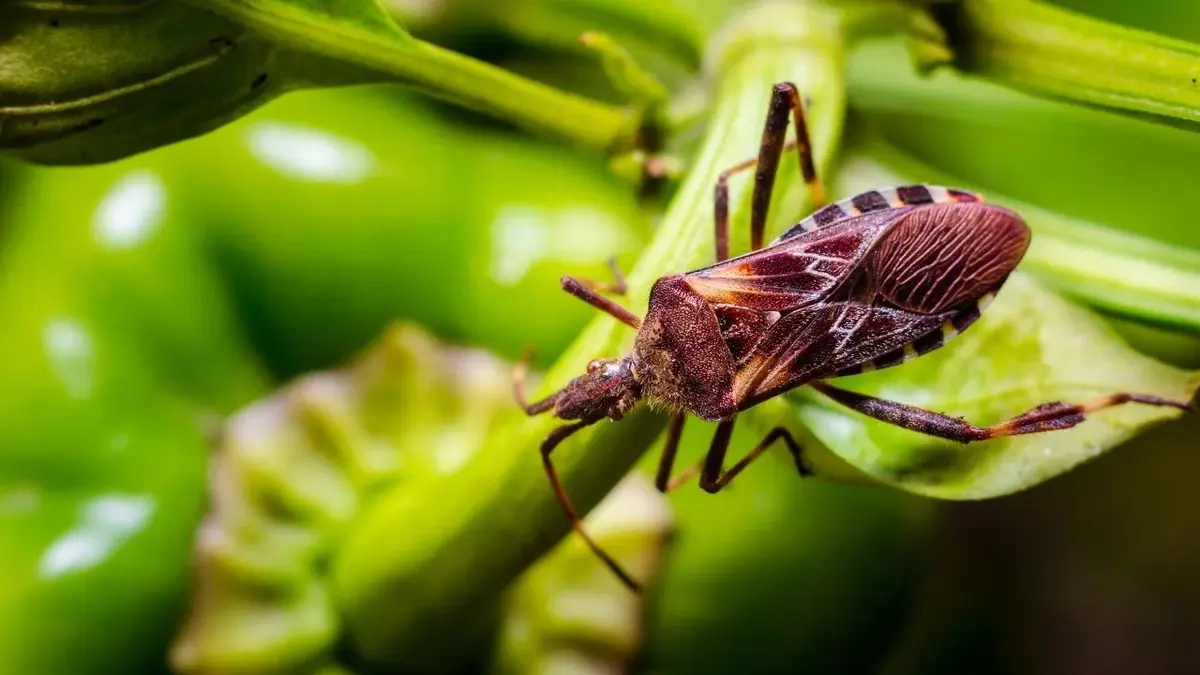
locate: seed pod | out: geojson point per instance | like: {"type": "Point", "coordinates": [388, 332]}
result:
{"type": "Point", "coordinates": [97, 80]}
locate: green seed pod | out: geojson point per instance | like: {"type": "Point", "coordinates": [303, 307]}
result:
{"type": "Point", "coordinates": [97, 80]}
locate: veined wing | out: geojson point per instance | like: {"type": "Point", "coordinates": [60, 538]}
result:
{"type": "Point", "coordinates": [828, 339]}
{"type": "Point", "coordinates": [796, 272]}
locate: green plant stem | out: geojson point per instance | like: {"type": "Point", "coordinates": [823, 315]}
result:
{"type": "Point", "coordinates": [384, 49]}
{"type": "Point", "coordinates": [417, 573]}
{"type": "Point", "coordinates": [524, 102]}
{"type": "Point", "coordinates": [1059, 53]}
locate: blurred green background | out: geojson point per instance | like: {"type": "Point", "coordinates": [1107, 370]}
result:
{"type": "Point", "coordinates": [147, 299]}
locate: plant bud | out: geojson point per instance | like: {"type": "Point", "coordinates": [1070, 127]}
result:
{"type": "Point", "coordinates": [98, 80]}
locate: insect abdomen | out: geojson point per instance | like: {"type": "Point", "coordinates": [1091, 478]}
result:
{"type": "Point", "coordinates": [878, 200]}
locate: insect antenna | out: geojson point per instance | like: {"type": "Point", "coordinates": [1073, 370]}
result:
{"type": "Point", "coordinates": [520, 370]}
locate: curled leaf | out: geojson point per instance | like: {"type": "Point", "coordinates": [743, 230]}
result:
{"type": "Point", "coordinates": [1031, 347]}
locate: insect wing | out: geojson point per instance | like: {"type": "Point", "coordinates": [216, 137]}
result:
{"type": "Point", "coordinates": [825, 339]}
{"type": "Point", "coordinates": [927, 279]}
{"type": "Point", "coordinates": [946, 255]}
{"type": "Point", "coordinates": [794, 273]}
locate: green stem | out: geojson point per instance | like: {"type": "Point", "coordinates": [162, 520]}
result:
{"type": "Point", "coordinates": [415, 571]}
{"type": "Point", "coordinates": [524, 102]}
{"type": "Point", "coordinates": [1059, 53]}
{"type": "Point", "coordinates": [374, 43]}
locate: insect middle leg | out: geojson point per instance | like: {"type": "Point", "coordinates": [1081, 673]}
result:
{"type": "Point", "coordinates": [1046, 417]}
{"type": "Point", "coordinates": [713, 476]}
{"type": "Point", "coordinates": [785, 98]}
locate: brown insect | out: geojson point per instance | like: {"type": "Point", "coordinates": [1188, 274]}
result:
{"type": "Point", "coordinates": [862, 284]}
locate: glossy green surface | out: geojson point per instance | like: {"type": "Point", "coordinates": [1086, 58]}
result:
{"type": "Point", "coordinates": [111, 365]}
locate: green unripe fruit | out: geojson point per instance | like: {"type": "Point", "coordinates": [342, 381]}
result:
{"type": "Point", "coordinates": [96, 81]}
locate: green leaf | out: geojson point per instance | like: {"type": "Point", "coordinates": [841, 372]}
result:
{"type": "Point", "coordinates": [105, 81]}
{"type": "Point", "coordinates": [1031, 347]}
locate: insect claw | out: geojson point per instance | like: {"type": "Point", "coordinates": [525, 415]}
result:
{"type": "Point", "coordinates": [803, 468]}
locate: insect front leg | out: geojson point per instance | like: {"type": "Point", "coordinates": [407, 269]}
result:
{"type": "Point", "coordinates": [588, 292]}
{"type": "Point", "coordinates": [1046, 417]}
{"type": "Point", "coordinates": [714, 477]}
{"type": "Point", "coordinates": [785, 98]}
{"type": "Point", "coordinates": [617, 286]}
{"type": "Point", "coordinates": [560, 493]}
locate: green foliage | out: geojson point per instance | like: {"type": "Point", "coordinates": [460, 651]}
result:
{"type": "Point", "coordinates": [325, 25]}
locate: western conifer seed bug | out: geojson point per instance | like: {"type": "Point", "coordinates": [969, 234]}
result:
{"type": "Point", "coordinates": [862, 284]}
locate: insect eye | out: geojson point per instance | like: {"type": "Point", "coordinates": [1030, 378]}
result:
{"type": "Point", "coordinates": [595, 365]}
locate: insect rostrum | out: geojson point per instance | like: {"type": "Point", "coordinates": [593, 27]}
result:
{"type": "Point", "coordinates": [865, 283]}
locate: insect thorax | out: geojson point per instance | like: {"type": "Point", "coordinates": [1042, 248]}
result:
{"type": "Point", "coordinates": [680, 358]}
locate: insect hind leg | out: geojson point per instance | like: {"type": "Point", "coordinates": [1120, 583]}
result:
{"type": "Point", "coordinates": [785, 99]}
{"type": "Point", "coordinates": [1051, 416]}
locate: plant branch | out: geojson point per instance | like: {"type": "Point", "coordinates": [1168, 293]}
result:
{"type": "Point", "coordinates": [361, 36]}
{"type": "Point", "coordinates": [1056, 52]}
